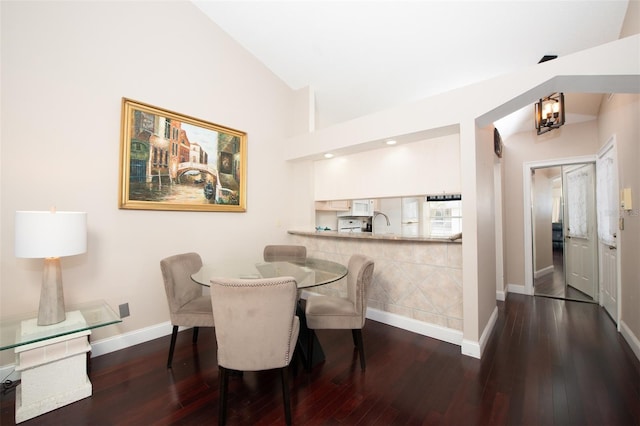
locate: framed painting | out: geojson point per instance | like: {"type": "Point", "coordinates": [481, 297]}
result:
{"type": "Point", "coordinates": [171, 161]}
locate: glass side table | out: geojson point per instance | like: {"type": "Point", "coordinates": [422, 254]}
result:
{"type": "Point", "coordinates": [52, 359]}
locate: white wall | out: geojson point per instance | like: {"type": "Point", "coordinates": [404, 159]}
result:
{"type": "Point", "coordinates": [65, 68]}
{"type": "Point", "coordinates": [571, 140]}
{"type": "Point", "coordinates": [619, 116]}
{"type": "Point", "coordinates": [486, 235]}
{"type": "Point", "coordinates": [598, 70]}
{"type": "Point", "coordinates": [425, 167]}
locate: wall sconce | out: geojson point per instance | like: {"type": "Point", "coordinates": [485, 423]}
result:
{"type": "Point", "coordinates": [550, 113]}
{"type": "Point", "coordinates": [50, 235]}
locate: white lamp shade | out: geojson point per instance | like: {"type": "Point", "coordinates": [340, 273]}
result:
{"type": "Point", "coordinates": [42, 234]}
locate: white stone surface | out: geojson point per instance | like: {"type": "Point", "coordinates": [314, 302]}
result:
{"type": "Point", "coordinates": [53, 371]}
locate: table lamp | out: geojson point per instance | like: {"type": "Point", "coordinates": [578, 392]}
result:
{"type": "Point", "coordinates": [50, 235]}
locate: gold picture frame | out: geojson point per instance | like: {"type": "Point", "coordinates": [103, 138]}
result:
{"type": "Point", "coordinates": [171, 161]}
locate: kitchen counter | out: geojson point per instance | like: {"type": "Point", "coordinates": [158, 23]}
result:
{"type": "Point", "coordinates": [372, 236]}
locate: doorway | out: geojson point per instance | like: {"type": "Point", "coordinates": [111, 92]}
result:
{"type": "Point", "coordinates": [563, 228]}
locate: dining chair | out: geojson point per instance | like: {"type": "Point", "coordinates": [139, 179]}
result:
{"type": "Point", "coordinates": [333, 312]}
{"type": "Point", "coordinates": [284, 252]}
{"type": "Point", "coordinates": [188, 307]}
{"type": "Point", "coordinates": [256, 329]}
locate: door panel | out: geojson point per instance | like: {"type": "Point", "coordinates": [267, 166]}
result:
{"type": "Point", "coordinates": [580, 240]}
{"type": "Point", "coordinates": [609, 279]}
{"type": "Point", "coordinates": [608, 200]}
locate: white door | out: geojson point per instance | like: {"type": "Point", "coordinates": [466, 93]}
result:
{"type": "Point", "coordinates": [608, 201]}
{"type": "Point", "coordinates": [609, 279]}
{"type": "Point", "coordinates": [580, 221]}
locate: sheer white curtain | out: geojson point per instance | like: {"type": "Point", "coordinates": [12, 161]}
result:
{"type": "Point", "coordinates": [577, 182]}
{"type": "Point", "coordinates": [556, 212]}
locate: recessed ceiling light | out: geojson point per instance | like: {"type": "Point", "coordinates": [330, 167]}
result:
{"type": "Point", "coordinates": [391, 142]}
{"type": "Point", "coordinates": [328, 155]}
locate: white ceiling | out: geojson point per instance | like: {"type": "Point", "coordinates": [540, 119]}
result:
{"type": "Point", "coordinates": [365, 56]}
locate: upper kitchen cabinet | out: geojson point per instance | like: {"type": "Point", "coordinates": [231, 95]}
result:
{"type": "Point", "coordinates": [333, 205]}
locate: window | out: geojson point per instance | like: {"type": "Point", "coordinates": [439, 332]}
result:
{"type": "Point", "coordinates": [167, 128]}
{"type": "Point", "coordinates": [443, 215]}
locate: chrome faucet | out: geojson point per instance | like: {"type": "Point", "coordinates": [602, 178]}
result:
{"type": "Point", "coordinates": [375, 214]}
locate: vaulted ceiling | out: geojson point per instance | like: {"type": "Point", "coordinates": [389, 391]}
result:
{"type": "Point", "coordinates": [364, 56]}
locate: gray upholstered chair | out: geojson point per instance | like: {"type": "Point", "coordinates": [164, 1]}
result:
{"type": "Point", "coordinates": [256, 329]}
{"type": "Point", "coordinates": [274, 253]}
{"type": "Point", "coordinates": [332, 312]}
{"type": "Point", "coordinates": [188, 307]}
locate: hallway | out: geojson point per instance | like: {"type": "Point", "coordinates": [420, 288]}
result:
{"type": "Point", "coordinates": [548, 362]}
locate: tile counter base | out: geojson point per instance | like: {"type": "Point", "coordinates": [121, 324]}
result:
{"type": "Point", "coordinates": [419, 280]}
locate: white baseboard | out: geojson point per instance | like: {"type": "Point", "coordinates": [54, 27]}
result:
{"type": "Point", "coordinates": [542, 272]}
{"type": "Point", "coordinates": [468, 347]}
{"type": "Point", "coordinates": [110, 344]}
{"type": "Point", "coordinates": [516, 288]}
{"type": "Point", "coordinates": [475, 349]}
{"type": "Point", "coordinates": [122, 341]}
{"type": "Point", "coordinates": [501, 295]}
{"type": "Point", "coordinates": [7, 372]}
{"type": "Point", "coordinates": [631, 338]}
{"type": "Point", "coordinates": [445, 334]}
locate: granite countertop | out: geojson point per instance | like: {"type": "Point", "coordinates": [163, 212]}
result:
{"type": "Point", "coordinates": [371, 236]}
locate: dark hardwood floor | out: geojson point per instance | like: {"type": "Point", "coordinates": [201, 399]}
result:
{"type": "Point", "coordinates": [548, 362]}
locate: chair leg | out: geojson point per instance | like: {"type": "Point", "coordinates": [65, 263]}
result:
{"type": "Point", "coordinates": [310, 338]}
{"type": "Point", "coordinates": [172, 345]}
{"type": "Point", "coordinates": [357, 338]}
{"type": "Point", "coordinates": [224, 384]}
{"type": "Point", "coordinates": [194, 339]}
{"type": "Point", "coordinates": [285, 394]}
{"type": "Point", "coordinates": [296, 359]}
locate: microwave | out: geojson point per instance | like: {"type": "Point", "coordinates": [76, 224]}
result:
{"type": "Point", "coordinates": [359, 208]}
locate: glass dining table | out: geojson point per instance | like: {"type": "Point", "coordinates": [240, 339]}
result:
{"type": "Point", "coordinates": [310, 272]}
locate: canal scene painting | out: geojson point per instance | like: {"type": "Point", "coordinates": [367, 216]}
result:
{"type": "Point", "coordinates": [171, 161]}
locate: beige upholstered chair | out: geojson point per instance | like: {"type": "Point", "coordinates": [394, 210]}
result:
{"type": "Point", "coordinates": [274, 253]}
{"type": "Point", "coordinates": [331, 312]}
{"type": "Point", "coordinates": [256, 329]}
{"type": "Point", "coordinates": [188, 307]}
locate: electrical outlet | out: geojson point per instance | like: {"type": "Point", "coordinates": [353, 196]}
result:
{"type": "Point", "coordinates": [124, 310]}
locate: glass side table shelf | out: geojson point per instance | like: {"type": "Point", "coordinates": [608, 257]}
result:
{"type": "Point", "coordinates": [52, 359]}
